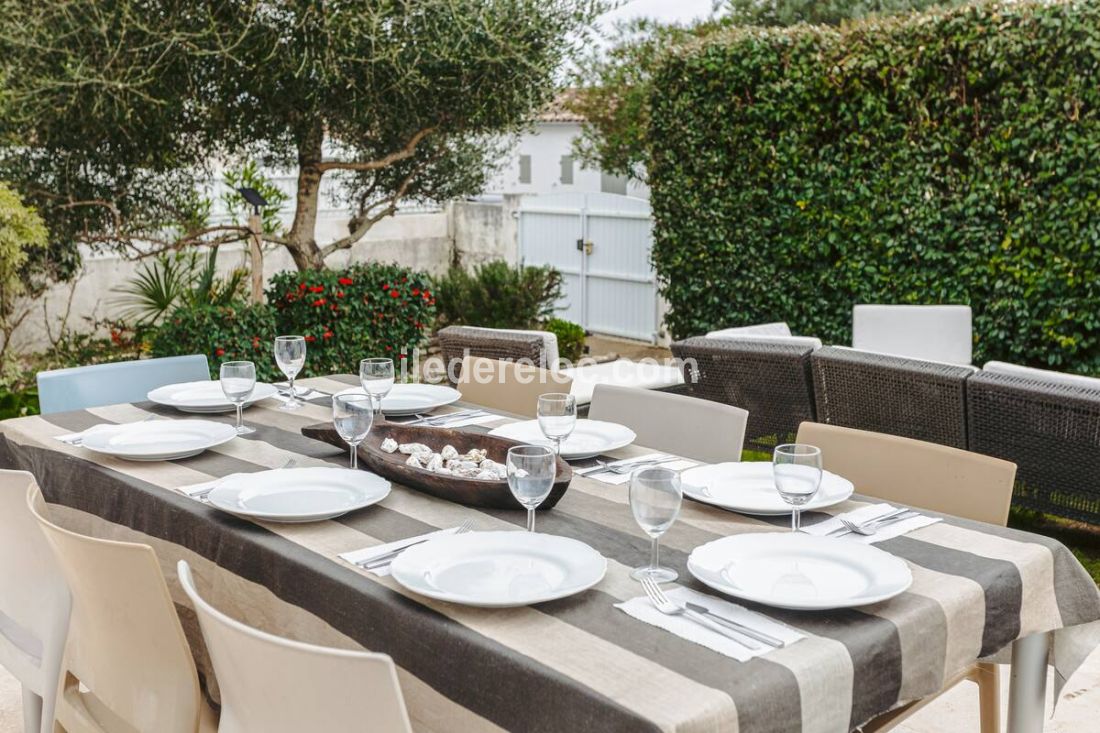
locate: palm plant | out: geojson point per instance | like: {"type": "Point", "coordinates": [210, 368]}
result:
{"type": "Point", "coordinates": [176, 280]}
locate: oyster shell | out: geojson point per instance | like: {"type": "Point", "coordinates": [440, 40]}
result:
{"type": "Point", "coordinates": [449, 452]}
{"type": "Point", "coordinates": [413, 448]}
{"type": "Point", "coordinates": [389, 445]}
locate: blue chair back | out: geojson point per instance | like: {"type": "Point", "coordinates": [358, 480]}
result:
{"type": "Point", "coordinates": [77, 388]}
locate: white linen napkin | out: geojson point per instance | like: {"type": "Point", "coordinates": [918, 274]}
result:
{"type": "Point", "coordinates": [197, 491]}
{"type": "Point", "coordinates": [617, 479]}
{"type": "Point", "coordinates": [866, 514]}
{"type": "Point", "coordinates": [76, 438]}
{"type": "Point", "coordinates": [686, 628]}
{"type": "Point", "coordinates": [355, 557]}
{"type": "Point", "coordinates": [312, 394]}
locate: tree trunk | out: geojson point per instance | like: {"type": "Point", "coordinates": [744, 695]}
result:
{"type": "Point", "coordinates": [303, 231]}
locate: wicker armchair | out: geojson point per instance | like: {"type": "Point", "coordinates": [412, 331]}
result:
{"type": "Point", "coordinates": [769, 379]}
{"type": "Point", "coordinates": [1050, 431]}
{"type": "Point", "coordinates": [457, 341]}
{"type": "Point", "coordinates": [912, 398]}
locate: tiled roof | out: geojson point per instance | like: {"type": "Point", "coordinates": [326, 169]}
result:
{"type": "Point", "coordinates": [558, 109]}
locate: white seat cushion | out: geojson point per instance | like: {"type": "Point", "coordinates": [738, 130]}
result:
{"type": "Point", "coordinates": [813, 343]}
{"type": "Point", "coordinates": [1042, 375]}
{"type": "Point", "coordinates": [763, 329]}
{"type": "Point", "coordinates": [971, 367]}
{"type": "Point", "coordinates": [621, 373]}
{"type": "Point", "coordinates": [930, 332]}
{"type": "Point", "coordinates": [549, 343]}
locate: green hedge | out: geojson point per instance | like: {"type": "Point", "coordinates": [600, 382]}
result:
{"type": "Point", "coordinates": [236, 332]}
{"type": "Point", "coordinates": [943, 158]}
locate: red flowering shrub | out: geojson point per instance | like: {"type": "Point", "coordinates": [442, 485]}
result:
{"type": "Point", "coordinates": [347, 315]}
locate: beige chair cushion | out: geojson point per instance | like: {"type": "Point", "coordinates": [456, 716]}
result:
{"type": "Point", "coordinates": [931, 332]}
{"type": "Point", "coordinates": [508, 386]}
{"type": "Point", "coordinates": [1042, 375]}
{"type": "Point", "coordinates": [778, 328]}
{"type": "Point", "coordinates": [686, 426]}
{"type": "Point", "coordinates": [621, 373]}
{"type": "Point", "coordinates": [924, 475]}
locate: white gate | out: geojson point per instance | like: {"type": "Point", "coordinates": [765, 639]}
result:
{"type": "Point", "coordinates": [600, 242]}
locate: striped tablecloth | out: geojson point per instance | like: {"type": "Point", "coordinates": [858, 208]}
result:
{"type": "Point", "coordinates": [576, 664]}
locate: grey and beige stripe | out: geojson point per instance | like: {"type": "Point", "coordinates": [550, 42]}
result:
{"type": "Point", "coordinates": [577, 663]}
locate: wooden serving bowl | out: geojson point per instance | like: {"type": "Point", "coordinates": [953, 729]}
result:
{"type": "Point", "coordinates": [491, 494]}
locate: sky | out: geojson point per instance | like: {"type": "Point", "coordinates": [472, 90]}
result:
{"type": "Point", "coordinates": [666, 10]}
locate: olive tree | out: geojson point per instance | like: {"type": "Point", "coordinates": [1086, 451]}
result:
{"type": "Point", "coordinates": [113, 111]}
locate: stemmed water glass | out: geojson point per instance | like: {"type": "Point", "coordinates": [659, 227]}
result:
{"type": "Point", "coordinates": [376, 376]}
{"type": "Point", "coordinates": [290, 356]}
{"type": "Point", "coordinates": [655, 498]}
{"type": "Point", "coordinates": [238, 379]}
{"type": "Point", "coordinates": [557, 414]}
{"type": "Point", "coordinates": [353, 416]}
{"type": "Point", "coordinates": [797, 468]}
{"type": "Point", "coordinates": [531, 474]}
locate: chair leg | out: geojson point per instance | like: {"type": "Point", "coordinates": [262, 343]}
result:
{"type": "Point", "coordinates": [989, 696]}
{"type": "Point", "coordinates": [32, 711]}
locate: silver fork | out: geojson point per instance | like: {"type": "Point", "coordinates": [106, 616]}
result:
{"type": "Point", "coordinates": [869, 528]}
{"type": "Point", "coordinates": [202, 495]}
{"type": "Point", "coordinates": [670, 608]}
{"type": "Point", "coordinates": [376, 562]}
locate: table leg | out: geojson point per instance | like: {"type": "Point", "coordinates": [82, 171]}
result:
{"type": "Point", "coordinates": [1027, 687]}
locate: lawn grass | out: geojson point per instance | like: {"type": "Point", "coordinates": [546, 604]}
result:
{"type": "Point", "coordinates": [1083, 540]}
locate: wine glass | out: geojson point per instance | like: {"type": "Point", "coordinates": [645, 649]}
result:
{"type": "Point", "coordinates": [655, 498]}
{"type": "Point", "coordinates": [353, 416]}
{"type": "Point", "coordinates": [531, 474]}
{"type": "Point", "coordinates": [290, 356]}
{"type": "Point", "coordinates": [238, 379]}
{"type": "Point", "coordinates": [557, 415]}
{"type": "Point", "coordinates": [376, 376]}
{"type": "Point", "coordinates": [797, 468]}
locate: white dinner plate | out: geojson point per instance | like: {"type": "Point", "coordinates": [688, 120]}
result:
{"type": "Point", "coordinates": [157, 440]}
{"type": "Point", "coordinates": [499, 569]}
{"type": "Point", "coordinates": [414, 398]}
{"type": "Point", "coordinates": [799, 571]}
{"type": "Point", "coordinates": [205, 397]}
{"type": "Point", "coordinates": [589, 438]}
{"type": "Point", "coordinates": [749, 488]}
{"type": "Point", "coordinates": [295, 495]}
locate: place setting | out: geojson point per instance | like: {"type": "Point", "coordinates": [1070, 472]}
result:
{"type": "Point", "coordinates": [792, 570]}
{"type": "Point", "coordinates": [493, 569]}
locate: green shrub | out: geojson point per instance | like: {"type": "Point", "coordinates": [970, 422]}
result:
{"type": "Point", "coordinates": [944, 158]}
{"type": "Point", "coordinates": [347, 315]}
{"type": "Point", "coordinates": [498, 295]}
{"type": "Point", "coordinates": [570, 338]}
{"type": "Point", "coordinates": [239, 331]}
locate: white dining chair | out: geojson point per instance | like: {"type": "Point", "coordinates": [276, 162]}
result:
{"type": "Point", "coordinates": [34, 604]}
{"type": "Point", "coordinates": [701, 430]}
{"type": "Point", "coordinates": [127, 665]}
{"type": "Point", "coordinates": [274, 685]}
{"type": "Point", "coordinates": [928, 476]}
{"type": "Point", "coordinates": [78, 388]}
{"type": "Point", "coordinates": [507, 385]}
{"type": "Point", "coordinates": [933, 332]}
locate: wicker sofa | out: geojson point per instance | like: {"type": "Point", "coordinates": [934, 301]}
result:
{"type": "Point", "coordinates": [456, 342]}
{"type": "Point", "coordinates": [768, 377]}
{"type": "Point", "coordinates": [1048, 424]}
{"type": "Point", "coordinates": [912, 398]}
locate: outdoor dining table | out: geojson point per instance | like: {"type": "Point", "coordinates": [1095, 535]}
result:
{"type": "Point", "coordinates": [579, 663]}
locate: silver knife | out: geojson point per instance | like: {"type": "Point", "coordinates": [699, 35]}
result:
{"type": "Point", "coordinates": [741, 628]}
{"type": "Point", "coordinates": [620, 464]}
